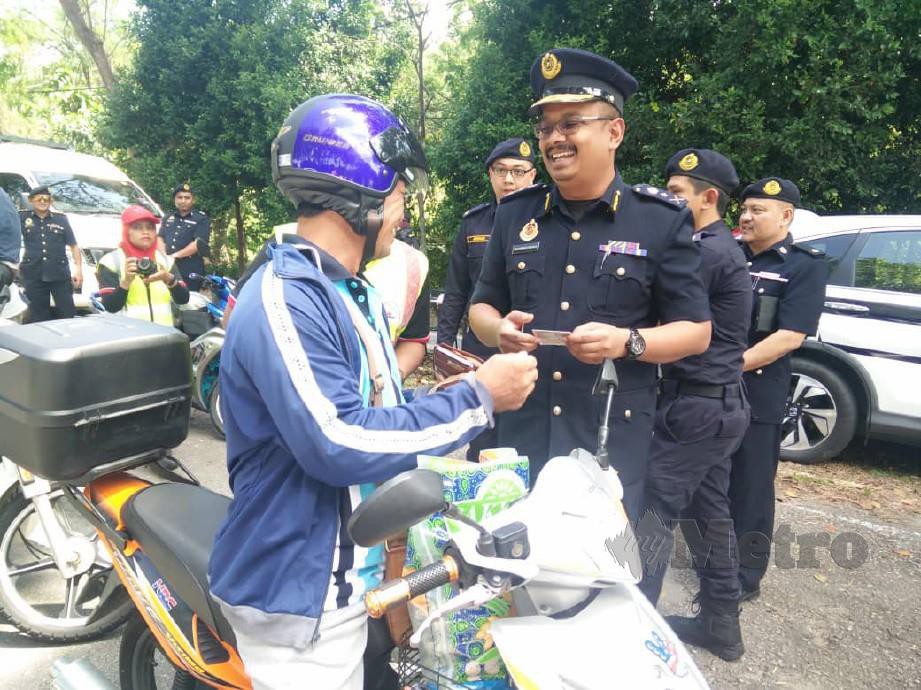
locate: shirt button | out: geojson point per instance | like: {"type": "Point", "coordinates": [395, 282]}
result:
{"type": "Point", "coordinates": [521, 265]}
{"type": "Point", "coordinates": [760, 290]}
{"type": "Point", "coordinates": [758, 372]}
{"type": "Point", "coordinates": [557, 410]}
{"type": "Point", "coordinates": [570, 269]}
{"type": "Point", "coordinates": [620, 271]}
{"type": "Point", "coordinates": [557, 376]}
{"type": "Point", "coordinates": [576, 235]}
{"type": "Point", "coordinates": [748, 263]}
{"type": "Point", "coordinates": [564, 306]}
{"type": "Point", "coordinates": [627, 414]}
{"type": "Point", "coordinates": [783, 250]}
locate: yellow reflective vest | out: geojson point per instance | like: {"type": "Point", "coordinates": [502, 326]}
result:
{"type": "Point", "coordinates": [149, 302]}
{"type": "Point", "coordinates": [398, 279]}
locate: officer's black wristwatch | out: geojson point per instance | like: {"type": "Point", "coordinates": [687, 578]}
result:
{"type": "Point", "coordinates": [636, 344]}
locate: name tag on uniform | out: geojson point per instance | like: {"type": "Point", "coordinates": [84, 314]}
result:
{"type": "Point", "coordinates": [477, 239]}
{"type": "Point", "coordinates": [758, 276]}
{"type": "Point", "coordinates": [526, 248]}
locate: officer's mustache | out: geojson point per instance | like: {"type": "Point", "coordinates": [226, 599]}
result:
{"type": "Point", "coordinates": [559, 151]}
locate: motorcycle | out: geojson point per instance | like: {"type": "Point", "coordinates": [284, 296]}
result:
{"type": "Point", "coordinates": [13, 305]}
{"type": "Point", "coordinates": [206, 348]}
{"type": "Point", "coordinates": [565, 553]}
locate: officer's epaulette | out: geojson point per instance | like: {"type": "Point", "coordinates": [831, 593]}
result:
{"type": "Point", "coordinates": [811, 251]}
{"type": "Point", "coordinates": [538, 188]}
{"type": "Point", "coordinates": [475, 209]}
{"type": "Point", "coordinates": [663, 195]}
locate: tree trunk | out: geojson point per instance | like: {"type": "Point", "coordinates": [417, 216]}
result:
{"type": "Point", "coordinates": [241, 237]}
{"type": "Point", "coordinates": [90, 41]}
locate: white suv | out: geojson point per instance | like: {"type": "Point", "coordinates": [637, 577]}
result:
{"type": "Point", "coordinates": [90, 190]}
{"type": "Point", "coordinates": [861, 374]}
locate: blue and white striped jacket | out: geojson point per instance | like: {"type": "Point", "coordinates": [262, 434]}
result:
{"type": "Point", "coordinates": [299, 432]}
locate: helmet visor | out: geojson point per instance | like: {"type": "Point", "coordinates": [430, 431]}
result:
{"type": "Point", "coordinates": [399, 150]}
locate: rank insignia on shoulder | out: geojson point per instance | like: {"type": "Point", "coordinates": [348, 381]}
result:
{"type": "Point", "coordinates": [811, 251]}
{"type": "Point", "coordinates": [475, 209]}
{"type": "Point", "coordinates": [477, 239]}
{"type": "Point", "coordinates": [661, 194]}
{"type": "Point", "coordinates": [529, 230]}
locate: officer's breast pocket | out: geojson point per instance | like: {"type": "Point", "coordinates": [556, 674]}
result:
{"type": "Point", "coordinates": [619, 283]}
{"type": "Point", "coordinates": [766, 303]}
{"type": "Point", "coordinates": [525, 273]}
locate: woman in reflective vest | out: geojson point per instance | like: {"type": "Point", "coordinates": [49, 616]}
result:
{"type": "Point", "coordinates": [136, 279]}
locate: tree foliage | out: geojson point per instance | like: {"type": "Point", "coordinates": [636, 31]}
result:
{"type": "Point", "coordinates": [826, 93]}
{"type": "Point", "coordinates": [212, 82]}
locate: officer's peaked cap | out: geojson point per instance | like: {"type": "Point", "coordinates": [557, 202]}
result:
{"type": "Point", "coordinates": [706, 165]}
{"type": "Point", "coordinates": [570, 75]}
{"type": "Point", "coordinates": [35, 191]}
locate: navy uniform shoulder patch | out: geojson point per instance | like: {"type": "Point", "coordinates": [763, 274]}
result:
{"type": "Point", "coordinates": [475, 209]}
{"type": "Point", "coordinates": [811, 251]}
{"type": "Point", "coordinates": [531, 190]}
{"type": "Point", "coordinates": [659, 194]}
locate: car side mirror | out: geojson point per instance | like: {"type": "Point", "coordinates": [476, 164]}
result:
{"type": "Point", "coordinates": [396, 505]}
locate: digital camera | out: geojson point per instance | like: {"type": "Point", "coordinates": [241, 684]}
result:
{"type": "Point", "coordinates": [146, 267]}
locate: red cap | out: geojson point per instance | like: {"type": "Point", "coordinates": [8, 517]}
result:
{"type": "Point", "coordinates": [134, 213]}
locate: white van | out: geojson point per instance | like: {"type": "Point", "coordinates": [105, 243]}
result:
{"type": "Point", "coordinates": [90, 190]}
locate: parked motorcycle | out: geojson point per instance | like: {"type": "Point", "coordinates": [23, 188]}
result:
{"type": "Point", "coordinates": [566, 554]}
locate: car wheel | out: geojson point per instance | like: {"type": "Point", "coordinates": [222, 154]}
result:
{"type": "Point", "coordinates": [821, 415]}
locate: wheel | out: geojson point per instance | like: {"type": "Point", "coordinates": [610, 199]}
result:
{"type": "Point", "coordinates": [34, 596]}
{"type": "Point", "coordinates": [214, 409]}
{"type": "Point", "coordinates": [821, 416]}
{"type": "Point", "coordinates": [142, 665]}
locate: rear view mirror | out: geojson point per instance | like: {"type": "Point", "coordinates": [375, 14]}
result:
{"type": "Point", "coordinates": [396, 505]}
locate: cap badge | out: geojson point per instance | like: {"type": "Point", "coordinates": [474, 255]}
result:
{"type": "Point", "coordinates": [524, 149]}
{"type": "Point", "coordinates": [528, 230]}
{"type": "Point", "coordinates": [550, 66]}
{"type": "Point", "coordinates": [772, 187]}
{"type": "Point", "coordinates": [186, 187]}
{"type": "Point", "coordinates": [689, 162]}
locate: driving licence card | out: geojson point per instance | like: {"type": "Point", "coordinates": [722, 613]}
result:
{"type": "Point", "coordinates": [550, 337]}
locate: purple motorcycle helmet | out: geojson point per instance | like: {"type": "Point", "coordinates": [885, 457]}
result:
{"type": "Point", "coordinates": [346, 153]}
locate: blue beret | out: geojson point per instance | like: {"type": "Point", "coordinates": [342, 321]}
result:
{"type": "Point", "coordinates": [773, 188]}
{"type": "Point", "coordinates": [569, 75]}
{"type": "Point", "coordinates": [516, 147]}
{"type": "Point", "coordinates": [706, 165]}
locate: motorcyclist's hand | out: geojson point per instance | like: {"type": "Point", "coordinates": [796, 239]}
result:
{"type": "Point", "coordinates": [131, 270]}
{"type": "Point", "coordinates": [509, 378]}
{"type": "Point", "coordinates": [511, 336]}
{"type": "Point", "coordinates": [592, 342]}
{"type": "Point", "coordinates": [163, 274]}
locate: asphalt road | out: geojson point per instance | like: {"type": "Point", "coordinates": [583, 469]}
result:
{"type": "Point", "coordinates": [845, 613]}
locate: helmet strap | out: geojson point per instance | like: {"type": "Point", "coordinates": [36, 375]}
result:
{"type": "Point", "coordinates": [374, 221]}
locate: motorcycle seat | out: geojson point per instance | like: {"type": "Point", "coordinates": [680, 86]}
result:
{"type": "Point", "coordinates": [175, 525]}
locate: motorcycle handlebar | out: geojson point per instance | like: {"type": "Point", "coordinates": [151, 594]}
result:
{"type": "Point", "coordinates": [383, 598]}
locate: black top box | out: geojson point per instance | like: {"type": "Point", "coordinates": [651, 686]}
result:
{"type": "Point", "coordinates": [79, 393]}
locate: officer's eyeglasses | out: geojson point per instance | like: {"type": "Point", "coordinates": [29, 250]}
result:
{"type": "Point", "coordinates": [517, 173]}
{"type": "Point", "coordinates": [566, 126]}
{"type": "Point", "coordinates": [41, 197]}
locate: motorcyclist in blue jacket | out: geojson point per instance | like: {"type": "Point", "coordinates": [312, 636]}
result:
{"type": "Point", "coordinates": [313, 409]}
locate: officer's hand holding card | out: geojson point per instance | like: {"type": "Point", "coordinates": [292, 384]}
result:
{"type": "Point", "coordinates": [550, 337]}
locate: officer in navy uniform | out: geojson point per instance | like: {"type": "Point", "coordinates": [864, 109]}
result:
{"type": "Point", "coordinates": [788, 289]}
{"type": "Point", "coordinates": [184, 235]}
{"type": "Point", "coordinates": [701, 418]}
{"type": "Point", "coordinates": [615, 266]}
{"type": "Point", "coordinates": [45, 273]}
{"type": "Point", "coordinates": [510, 166]}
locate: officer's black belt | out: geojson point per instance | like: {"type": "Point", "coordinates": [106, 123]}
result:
{"type": "Point", "coordinates": [729, 390]}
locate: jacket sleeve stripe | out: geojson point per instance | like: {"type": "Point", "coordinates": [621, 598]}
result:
{"type": "Point", "coordinates": [324, 411]}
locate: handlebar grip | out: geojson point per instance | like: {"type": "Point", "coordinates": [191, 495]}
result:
{"type": "Point", "coordinates": [381, 599]}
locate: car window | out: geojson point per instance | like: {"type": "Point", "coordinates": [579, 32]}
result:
{"type": "Point", "coordinates": [83, 194]}
{"type": "Point", "coordinates": [15, 185]}
{"type": "Point", "coordinates": [834, 249]}
{"type": "Point", "coordinates": [890, 261]}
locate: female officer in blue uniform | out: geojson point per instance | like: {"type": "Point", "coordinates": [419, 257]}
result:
{"type": "Point", "coordinates": [614, 265]}
{"type": "Point", "coordinates": [45, 274]}
{"type": "Point", "coordinates": [788, 287]}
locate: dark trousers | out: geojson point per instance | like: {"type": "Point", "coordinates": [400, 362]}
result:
{"type": "Point", "coordinates": [688, 478]}
{"type": "Point", "coordinates": [40, 292]}
{"type": "Point", "coordinates": [751, 500]}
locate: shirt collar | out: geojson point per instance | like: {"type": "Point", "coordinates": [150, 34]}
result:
{"type": "Point", "coordinates": [611, 199]}
{"type": "Point", "coordinates": [780, 249]}
{"type": "Point", "coordinates": [717, 227]}
{"type": "Point", "coordinates": [295, 255]}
